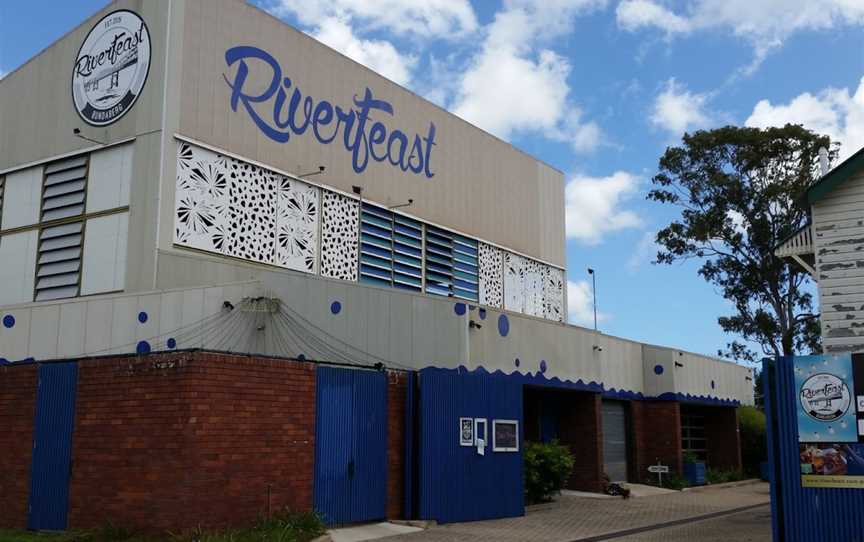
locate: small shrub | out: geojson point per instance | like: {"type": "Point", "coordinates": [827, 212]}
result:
{"type": "Point", "coordinates": [717, 476]}
{"type": "Point", "coordinates": [675, 481]}
{"type": "Point", "coordinates": [691, 457]}
{"type": "Point", "coordinates": [547, 467]}
{"type": "Point", "coordinates": [754, 444]}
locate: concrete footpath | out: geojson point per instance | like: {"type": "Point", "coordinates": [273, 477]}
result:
{"type": "Point", "coordinates": [570, 518]}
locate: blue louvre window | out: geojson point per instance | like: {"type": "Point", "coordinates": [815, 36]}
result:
{"type": "Point", "coordinates": [390, 249]}
{"type": "Point", "coordinates": [451, 265]}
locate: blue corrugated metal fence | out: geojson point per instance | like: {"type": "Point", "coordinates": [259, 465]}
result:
{"type": "Point", "coordinates": [351, 445]}
{"type": "Point", "coordinates": [457, 484]}
{"type": "Point", "coordinates": [802, 514]}
{"type": "Point", "coordinates": [52, 446]}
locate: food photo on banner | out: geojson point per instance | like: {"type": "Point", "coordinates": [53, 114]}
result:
{"type": "Point", "coordinates": [831, 419]}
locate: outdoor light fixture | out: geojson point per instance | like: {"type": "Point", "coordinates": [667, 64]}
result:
{"type": "Point", "coordinates": [410, 201]}
{"type": "Point", "coordinates": [679, 364]}
{"type": "Point", "coordinates": [357, 190]}
{"type": "Point", "coordinates": [474, 325]}
{"type": "Point", "coordinates": [77, 133]}
{"type": "Point", "coordinates": [597, 348]}
{"type": "Point", "coordinates": [594, 291]}
{"type": "Point", "coordinates": [319, 172]}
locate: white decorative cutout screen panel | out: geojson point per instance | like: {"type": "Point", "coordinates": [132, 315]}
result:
{"type": "Point", "coordinates": [553, 294]}
{"type": "Point", "coordinates": [491, 276]}
{"type": "Point", "coordinates": [340, 224]}
{"type": "Point", "coordinates": [231, 207]}
{"type": "Point", "coordinates": [298, 211]}
{"type": "Point", "coordinates": [533, 288]}
{"type": "Point", "coordinates": [514, 282]}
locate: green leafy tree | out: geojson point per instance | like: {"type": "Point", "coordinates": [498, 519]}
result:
{"type": "Point", "coordinates": [736, 189]}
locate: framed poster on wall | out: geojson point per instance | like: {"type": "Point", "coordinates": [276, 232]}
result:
{"type": "Point", "coordinates": [466, 431]}
{"type": "Point", "coordinates": [505, 436]}
{"type": "Point", "coordinates": [830, 411]}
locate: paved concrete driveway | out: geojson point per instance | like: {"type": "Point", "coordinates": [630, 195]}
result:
{"type": "Point", "coordinates": [577, 518]}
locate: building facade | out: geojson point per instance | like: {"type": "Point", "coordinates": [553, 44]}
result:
{"type": "Point", "coordinates": [224, 241]}
{"type": "Point", "coordinates": [828, 248]}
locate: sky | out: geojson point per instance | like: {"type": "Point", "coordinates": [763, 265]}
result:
{"type": "Point", "coordinates": [598, 89]}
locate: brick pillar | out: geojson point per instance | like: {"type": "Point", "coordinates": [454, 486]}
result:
{"type": "Point", "coordinates": [656, 436]}
{"type": "Point", "coordinates": [582, 430]}
{"type": "Point", "coordinates": [17, 408]}
{"type": "Point", "coordinates": [396, 391]}
{"type": "Point", "coordinates": [723, 438]}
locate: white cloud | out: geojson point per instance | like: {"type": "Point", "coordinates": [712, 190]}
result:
{"type": "Point", "coordinates": [645, 251]}
{"type": "Point", "coordinates": [837, 113]}
{"type": "Point", "coordinates": [593, 206]}
{"type": "Point", "coordinates": [430, 18]}
{"type": "Point", "coordinates": [580, 304]}
{"type": "Point", "coordinates": [341, 25]}
{"type": "Point", "coordinates": [378, 55]}
{"type": "Point", "coordinates": [676, 109]}
{"type": "Point", "coordinates": [636, 14]}
{"type": "Point", "coordinates": [514, 84]}
{"type": "Point", "coordinates": [765, 24]}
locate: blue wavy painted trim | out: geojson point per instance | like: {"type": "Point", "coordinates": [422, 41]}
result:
{"type": "Point", "coordinates": [539, 379]}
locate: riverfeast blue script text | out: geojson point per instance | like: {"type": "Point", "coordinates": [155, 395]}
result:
{"type": "Point", "coordinates": [325, 120]}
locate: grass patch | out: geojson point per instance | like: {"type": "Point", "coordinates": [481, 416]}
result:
{"type": "Point", "coordinates": [714, 476]}
{"type": "Point", "coordinates": [282, 527]}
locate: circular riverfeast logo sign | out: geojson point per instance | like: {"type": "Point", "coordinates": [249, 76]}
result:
{"type": "Point", "coordinates": [825, 397]}
{"type": "Point", "coordinates": [111, 68]}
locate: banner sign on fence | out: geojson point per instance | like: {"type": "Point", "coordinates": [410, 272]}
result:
{"type": "Point", "coordinates": [831, 419]}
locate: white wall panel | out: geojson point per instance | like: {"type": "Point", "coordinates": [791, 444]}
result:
{"type": "Point", "coordinates": [109, 178]}
{"type": "Point", "coordinates": [71, 335]}
{"type": "Point", "coordinates": [98, 333]}
{"type": "Point", "coordinates": [44, 330]}
{"type": "Point", "coordinates": [22, 197]}
{"type": "Point", "coordinates": [105, 253]}
{"type": "Point", "coordinates": [18, 269]}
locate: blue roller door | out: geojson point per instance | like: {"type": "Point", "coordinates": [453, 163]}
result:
{"type": "Point", "coordinates": [351, 445]}
{"type": "Point", "coordinates": [52, 446]}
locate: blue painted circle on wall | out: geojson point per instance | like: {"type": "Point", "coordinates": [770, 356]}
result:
{"type": "Point", "coordinates": [335, 307]}
{"type": "Point", "coordinates": [543, 366]}
{"type": "Point", "coordinates": [142, 317]}
{"type": "Point", "coordinates": [8, 321]}
{"type": "Point", "coordinates": [658, 369]}
{"type": "Point", "coordinates": [172, 343]}
{"type": "Point", "coordinates": [503, 325]}
{"type": "Point", "coordinates": [713, 385]}
{"type": "Point", "coordinates": [517, 362]}
{"type": "Point", "coordinates": [459, 308]}
{"type": "Point", "coordinates": [143, 347]}
{"type": "Point", "coordinates": [482, 314]}
{"type": "Point", "coordinates": [301, 357]}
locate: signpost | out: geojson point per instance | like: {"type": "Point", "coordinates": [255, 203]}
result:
{"type": "Point", "coordinates": [659, 470]}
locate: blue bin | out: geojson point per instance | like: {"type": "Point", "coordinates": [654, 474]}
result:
{"type": "Point", "coordinates": [765, 471]}
{"type": "Point", "coordinates": [694, 473]}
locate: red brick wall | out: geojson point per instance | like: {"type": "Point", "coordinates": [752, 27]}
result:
{"type": "Point", "coordinates": [17, 406]}
{"type": "Point", "coordinates": [179, 440]}
{"type": "Point", "coordinates": [582, 430]}
{"type": "Point", "coordinates": [656, 435]}
{"type": "Point", "coordinates": [723, 438]}
{"type": "Point", "coordinates": [396, 390]}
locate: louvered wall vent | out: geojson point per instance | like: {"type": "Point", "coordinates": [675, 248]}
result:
{"type": "Point", "coordinates": [58, 268]}
{"type": "Point", "coordinates": [390, 249]}
{"type": "Point", "coordinates": [451, 264]}
{"type": "Point", "coordinates": [65, 184]}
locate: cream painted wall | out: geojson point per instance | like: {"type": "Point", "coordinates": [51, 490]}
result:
{"type": "Point", "coordinates": [482, 186]}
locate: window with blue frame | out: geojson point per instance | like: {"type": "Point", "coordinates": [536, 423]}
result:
{"type": "Point", "coordinates": [391, 249]}
{"type": "Point", "coordinates": [451, 264]}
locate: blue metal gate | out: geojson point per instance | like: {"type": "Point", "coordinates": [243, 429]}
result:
{"type": "Point", "coordinates": [455, 482]}
{"type": "Point", "coordinates": [801, 514]}
{"type": "Point", "coordinates": [351, 445]}
{"type": "Point", "coordinates": [52, 446]}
